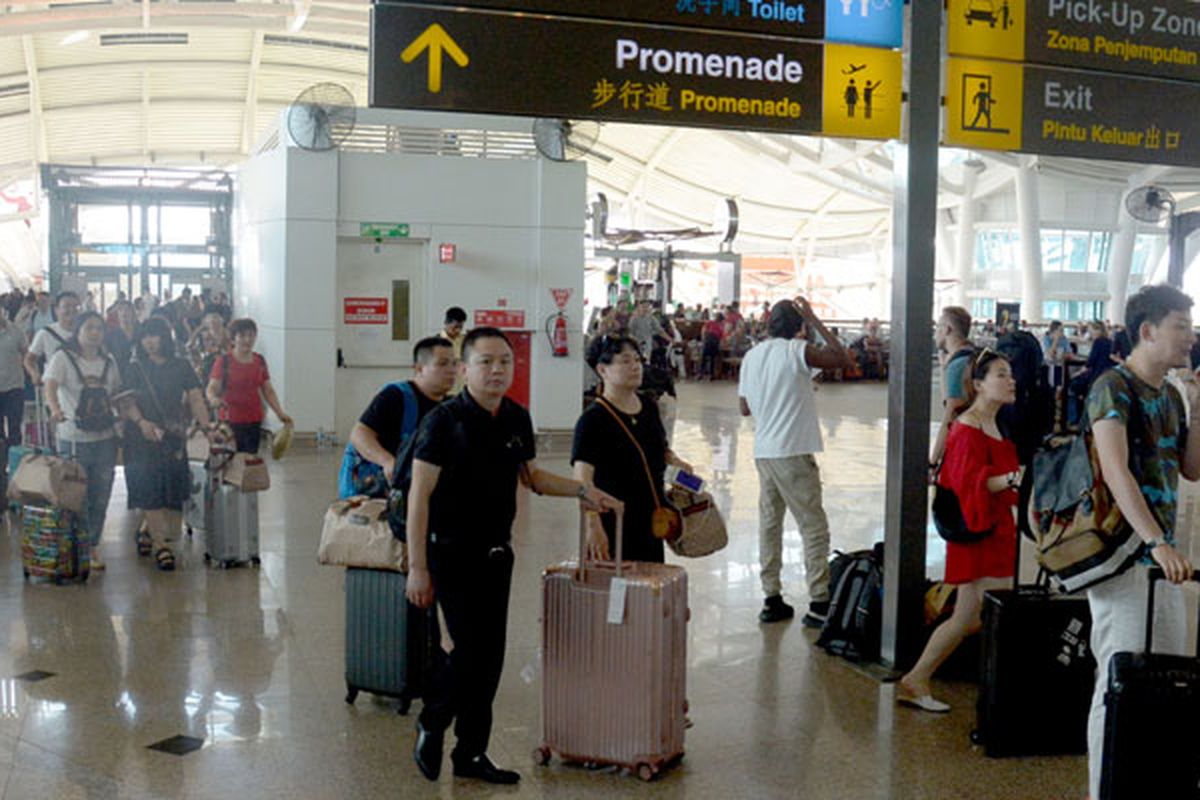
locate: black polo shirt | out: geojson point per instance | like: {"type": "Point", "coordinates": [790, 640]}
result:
{"type": "Point", "coordinates": [480, 455]}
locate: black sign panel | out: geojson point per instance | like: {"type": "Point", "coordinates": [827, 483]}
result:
{"type": "Point", "coordinates": [1094, 115]}
{"type": "Point", "coordinates": [804, 19]}
{"type": "Point", "coordinates": [1159, 38]}
{"type": "Point", "coordinates": [492, 62]}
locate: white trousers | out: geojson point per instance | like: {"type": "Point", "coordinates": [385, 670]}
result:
{"type": "Point", "coordinates": [1118, 609]}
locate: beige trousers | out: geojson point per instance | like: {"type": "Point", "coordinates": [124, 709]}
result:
{"type": "Point", "coordinates": [792, 484]}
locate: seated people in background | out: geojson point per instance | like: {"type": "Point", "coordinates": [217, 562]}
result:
{"type": "Point", "coordinates": [1098, 361]}
{"type": "Point", "coordinates": [238, 385]}
{"type": "Point", "coordinates": [369, 460]}
{"type": "Point", "coordinates": [982, 470]}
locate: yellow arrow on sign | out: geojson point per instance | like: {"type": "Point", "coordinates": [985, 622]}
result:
{"type": "Point", "coordinates": [436, 41]}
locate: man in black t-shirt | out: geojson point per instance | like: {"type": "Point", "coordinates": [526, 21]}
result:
{"type": "Point", "coordinates": [380, 431]}
{"type": "Point", "coordinates": [469, 453]}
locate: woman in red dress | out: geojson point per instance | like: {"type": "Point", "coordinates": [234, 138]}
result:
{"type": "Point", "coordinates": [981, 467]}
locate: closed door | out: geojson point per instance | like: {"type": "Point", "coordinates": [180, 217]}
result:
{"type": "Point", "coordinates": [380, 317]}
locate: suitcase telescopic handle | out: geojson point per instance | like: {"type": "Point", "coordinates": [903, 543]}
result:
{"type": "Point", "coordinates": [619, 535]}
{"type": "Point", "coordinates": [1156, 575]}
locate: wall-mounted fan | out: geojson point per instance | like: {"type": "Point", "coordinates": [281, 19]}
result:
{"type": "Point", "coordinates": [1151, 204]}
{"type": "Point", "coordinates": [322, 117]}
{"type": "Point", "coordinates": [566, 140]}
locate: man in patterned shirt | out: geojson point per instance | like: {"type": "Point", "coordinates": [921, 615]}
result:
{"type": "Point", "coordinates": [1145, 486]}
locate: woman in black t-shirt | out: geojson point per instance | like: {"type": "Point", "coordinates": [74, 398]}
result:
{"type": "Point", "coordinates": [156, 467]}
{"type": "Point", "coordinates": [604, 453]}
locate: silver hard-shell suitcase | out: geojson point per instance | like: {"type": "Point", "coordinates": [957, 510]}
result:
{"type": "Point", "coordinates": [233, 538]}
{"type": "Point", "coordinates": [198, 513]}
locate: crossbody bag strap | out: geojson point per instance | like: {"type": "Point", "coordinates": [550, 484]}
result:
{"type": "Point", "coordinates": [150, 389]}
{"type": "Point", "coordinates": [645, 464]}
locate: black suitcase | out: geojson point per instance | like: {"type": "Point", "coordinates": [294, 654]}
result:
{"type": "Point", "coordinates": [392, 647]}
{"type": "Point", "coordinates": [1037, 672]}
{"type": "Point", "coordinates": [1151, 699]}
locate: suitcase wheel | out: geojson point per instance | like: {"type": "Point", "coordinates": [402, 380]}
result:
{"type": "Point", "coordinates": [351, 694]}
{"type": "Point", "coordinates": [405, 705]}
{"type": "Point", "coordinates": [255, 561]}
{"type": "Point", "coordinates": [541, 756]}
{"type": "Point", "coordinates": [189, 530]}
{"type": "Point", "coordinates": [646, 772]}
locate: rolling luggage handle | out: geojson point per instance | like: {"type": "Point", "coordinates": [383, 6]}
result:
{"type": "Point", "coordinates": [583, 556]}
{"type": "Point", "coordinates": [1156, 575]}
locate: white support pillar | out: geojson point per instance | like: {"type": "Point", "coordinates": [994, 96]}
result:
{"type": "Point", "coordinates": [1120, 263]}
{"type": "Point", "coordinates": [964, 258]}
{"type": "Point", "coordinates": [1030, 244]}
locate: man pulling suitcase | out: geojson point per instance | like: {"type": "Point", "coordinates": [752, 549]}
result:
{"type": "Point", "coordinates": [1142, 451]}
{"type": "Point", "coordinates": [469, 453]}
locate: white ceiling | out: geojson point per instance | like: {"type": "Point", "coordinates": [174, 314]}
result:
{"type": "Point", "coordinates": [67, 95]}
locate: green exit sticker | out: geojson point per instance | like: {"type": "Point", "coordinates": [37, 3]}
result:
{"type": "Point", "coordinates": [383, 230]}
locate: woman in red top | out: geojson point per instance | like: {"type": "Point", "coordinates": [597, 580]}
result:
{"type": "Point", "coordinates": [981, 467]}
{"type": "Point", "coordinates": [238, 385]}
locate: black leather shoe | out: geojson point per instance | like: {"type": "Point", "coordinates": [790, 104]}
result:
{"type": "Point", "coordinates": [775, 610]}
{"type": "Point", "coordinates": [428, 752]}
{"type": "Point", "coordinates": [482, 768]}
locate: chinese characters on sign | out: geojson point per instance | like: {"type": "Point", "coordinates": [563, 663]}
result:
{"type": "Point", "coordinates": [365, 310]}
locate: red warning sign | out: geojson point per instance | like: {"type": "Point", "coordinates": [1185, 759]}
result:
{"type": "Point", "coordinates": [365, 310]}
{"type": "Point", "coordinates": [499, 318]}
{"type": "Point", "coordinates": [561, 296]}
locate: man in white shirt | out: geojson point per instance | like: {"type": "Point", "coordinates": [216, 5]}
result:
{"type": "Point", "coordinates": [776, 388]}
{"type": "Point", "coordinates": [51, 339]}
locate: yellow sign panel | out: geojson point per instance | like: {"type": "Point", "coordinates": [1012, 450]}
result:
{"type": "Point", "coordinates": [983, 104]}
{"type": "Point", "coordinates": [987, 28]}
{"type": "Point", "coordinates": [862, 93]}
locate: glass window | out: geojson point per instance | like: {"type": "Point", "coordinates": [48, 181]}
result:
{"type": "Point", "coordinates": [983, 308]}
{"type": "Point", "coordinates": [1075, 251]}
{"type": "Point", "coordinates": [186, 225]}
{"type": "Point", "coordinates": [996, 250]}
{"type": "Point", "coordinates": [1101, 251]}
{"type": "Point", "coordinates": [103, 224]}
{"type": "Point", "coordinates": [1143, 247]}
{"type": "Point", "coordinates": [1052, 251]}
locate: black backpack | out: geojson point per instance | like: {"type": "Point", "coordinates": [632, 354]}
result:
{"type": "Point", "coordinates": [94, 412]}
{"type": "Point", "coordinates": [1027, 421]}
{"type": "Point", "coordinates": [852, 629]}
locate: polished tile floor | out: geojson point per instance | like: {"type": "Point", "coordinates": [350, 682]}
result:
{"type": "Point", "coordinates": [250, 661]}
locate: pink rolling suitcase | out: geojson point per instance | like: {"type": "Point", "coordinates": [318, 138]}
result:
{"type": "Point", "coordinates": [614, 692]}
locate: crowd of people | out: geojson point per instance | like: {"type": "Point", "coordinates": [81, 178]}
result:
{"type": "Point", "coordinates": [131, 380]}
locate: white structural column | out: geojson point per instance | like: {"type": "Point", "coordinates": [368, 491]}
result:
{"type": "Point", "coordinates": [1120, 263]}
{"type": "Point", "coordinates": [964, 258]}
{"type": "Point", "coordinates": [1030, 244]}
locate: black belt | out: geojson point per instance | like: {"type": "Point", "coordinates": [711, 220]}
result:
{"type": "Point", "coordinates": [466, 544]}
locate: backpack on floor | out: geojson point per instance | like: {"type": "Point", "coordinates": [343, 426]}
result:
{"type": "Point", "coordinates": [852, 629]}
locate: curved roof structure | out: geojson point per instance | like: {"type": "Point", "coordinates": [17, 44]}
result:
{"type": "Point", "coordinates": [199, 82]}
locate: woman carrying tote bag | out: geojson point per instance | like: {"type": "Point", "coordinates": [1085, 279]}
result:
{"type": "Point", "coordinates": [620, 446]}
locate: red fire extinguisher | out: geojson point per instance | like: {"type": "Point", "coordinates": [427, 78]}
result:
{"type": "Point", "coordinates": [557, 336]}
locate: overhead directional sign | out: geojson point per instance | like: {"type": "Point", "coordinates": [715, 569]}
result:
{"type": "Point", "coordinates": [1158, 38]}
{"type": "Point", "coordinates": [997, 105]}
{"type": "Point", "coordinates": [872, 22]}
{"type": "Point", "coordinates": [535, 65]}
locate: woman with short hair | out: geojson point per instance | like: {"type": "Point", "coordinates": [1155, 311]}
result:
{"type": "Point", "coordinates": [238, 385]}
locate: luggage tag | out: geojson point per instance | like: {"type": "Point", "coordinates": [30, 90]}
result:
{"type": "Point", "coordinates": [616, 601]}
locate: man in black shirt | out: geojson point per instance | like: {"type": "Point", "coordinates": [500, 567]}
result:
{"type": "Point", "coordinates": [469, 453]}
{"type": "Point", "coordinates": [393, 415]}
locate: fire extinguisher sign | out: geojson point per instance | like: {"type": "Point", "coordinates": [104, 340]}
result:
{"type": "Point", "coordinates": [561, 297]}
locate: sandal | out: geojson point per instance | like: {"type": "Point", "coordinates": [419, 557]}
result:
{"type": "Point", "coordinates": [144, 543]}
{"type": "Point", "coordinates": [165, 560]}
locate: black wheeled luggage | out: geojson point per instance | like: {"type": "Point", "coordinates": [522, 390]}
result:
{"type": "Point", "coordinates": [1151, 702]}
{"type": "Point", "coordinates": [1037, 671]}
{"type": "Point", "coordinates": [392, 647]}
{"type": "Point", "coordinates": [1037, 674]}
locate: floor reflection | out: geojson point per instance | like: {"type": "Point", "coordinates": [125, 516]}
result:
{"type": "Point", "coordinates": [251, 660]}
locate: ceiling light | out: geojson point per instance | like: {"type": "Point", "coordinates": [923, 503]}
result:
{"type": "Point", "coordinates": [75, 37]}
